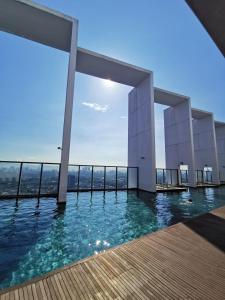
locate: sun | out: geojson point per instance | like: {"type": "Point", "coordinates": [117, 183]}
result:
{"type": "Point", "coordinates": [108, 83]}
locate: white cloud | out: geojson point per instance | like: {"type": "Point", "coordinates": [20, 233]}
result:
{"type": "Point", "coordinates": [123, 117]}
{"type": "Point", "coordinates": [96, 106]}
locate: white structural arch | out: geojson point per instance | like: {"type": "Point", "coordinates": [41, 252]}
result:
{"type": "Point", "coordinates": [205, 145]}
{"type": "Point", "coordinates": [45, 26]}
{"type": "Point", "coordinates": [179, 146]}
{"type": "Point", "coordinates": [141, 125]}
{"type": "Point", "coordinates": [54, 29]}
{"type": "Point", "coordinates": [220, 142]}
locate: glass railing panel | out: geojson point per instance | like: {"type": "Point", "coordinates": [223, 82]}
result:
{"type": "Point", "coordinates": [110, 180]}
{"type": "Point", "coordinates": [208, 176]}
{"type": "Point", "coordinates": [174, 177]}
{"type": "Point", "coordinates": [30, 179]}
{"type": "Point", "coordinates": [73, 178]}
{"type": "Point", "coordinates": [184, 176]}
{"type": "Point", "coordinates": [171, 177]}
{"type": "Point", "coordinates": [50, 179]}
{"type": "Point", "coordinates": [98, 178]}
{"type": "Point", "coordinates": [167, 177]}
{"type": "Point", "coordinates": [132, 178]}
{"type": "Point", "coordinates": [43, 178]}
{"type": "Point", "coordinates": [159, 177]}
{"type": "Point", "coordinates": [85, 177]}
{"type": "Point", "coordinates": [199, 176]}
{"type": "Point", "coordinates": [9, 178]}
{"type": "Point", "coordinates": [121, 178]}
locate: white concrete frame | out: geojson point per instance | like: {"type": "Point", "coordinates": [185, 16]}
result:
{"type": "Point", "coordinates": [205, 146]}
{"type": "Point", "coordinates": [141, 133]}
{"type": "Point", "coordinates": [220, 141]}
{"type": "Point", "coordinates": [56, 30]}
{"type": "Point", "coordinates": [53, 29]}
{"type": "Point", "coordinates": [141, 125]}
{"type": "Point", "coordinates": [40, 24]}
{"type": "Point", "coordinates": [179, 146]}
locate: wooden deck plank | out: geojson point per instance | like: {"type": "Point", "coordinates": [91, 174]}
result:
{"type": "Point", "coordinates": [83, 285]}
{"type": "Point", "coordinates": [168, 283]}
{"type": "Point", "coordinates": [184, 261]}
{"type": "Point", "coordinates": [178, 263]}
{"type": "Point", "coordinates": [51, 289]}
{"type": "Point", "coordinates": [70, 284]}
{"type": "Point", "coordinates": [123, 286]}
{"type": "Point", "coordinates": [189, 276]}
{"type": "Point", "coordinates": [20, 290]}
{"type": "Point", "coordinates": [75, 282]}
{"type": "Point", "coordinates": [46, 289]}
{"type": "Point", "coordinates": [197, 255]}
{"type": "Point", "coordinates": [146, 278]}
{"type": "Point", "coordinates": [107, 288]}
{"type": "Point", "coordinates": [200, 245]}
{"type": "Point", "coordinates": [89, 284]}
{"type": "Point", "coordinates": [16, 294]}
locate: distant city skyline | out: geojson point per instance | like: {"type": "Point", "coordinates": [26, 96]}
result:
{"type": "Point", "coordinates": [164, 37]}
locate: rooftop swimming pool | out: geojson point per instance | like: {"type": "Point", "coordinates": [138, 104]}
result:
{"type": "Point", "coordinates": [36, 238]}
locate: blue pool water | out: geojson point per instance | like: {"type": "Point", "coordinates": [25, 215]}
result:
{"type": "Point", "coordinates": [35, 239]}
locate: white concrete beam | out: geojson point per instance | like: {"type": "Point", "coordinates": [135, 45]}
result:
{"type": "Point", "coordinates": [179, 146]}
{"type": "Point", "coordinates": [168, 98]}
{"type": "Point", "coordinates": [141, 133]}
{"type": "Point", "coordinates": [37, 23]}
{"type": "Point", "coordinates": [102, 66]}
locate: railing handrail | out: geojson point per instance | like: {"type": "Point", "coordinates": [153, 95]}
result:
{"type": "Point", "coordinates": [58, 163]}
{"type": "Point", "coordinates": [28, 162]}
{"type": "Point", "coordinates": [99, 166]}
{"type": "Point", "coordinates": [166, 169]}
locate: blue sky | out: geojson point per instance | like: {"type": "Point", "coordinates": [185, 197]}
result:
{"type": "Point", "coordinates": [163, 36]}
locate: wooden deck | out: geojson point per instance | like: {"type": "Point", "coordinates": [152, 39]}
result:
{"type": "Point", "coordinates": [207, 185]}
{"type": "Point", "coordinates": [184, 261]}
{"type": "Point", "coordinates": [164, 189]}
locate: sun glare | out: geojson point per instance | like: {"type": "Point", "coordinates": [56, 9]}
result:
{"type": "Point", "coordinates": [108, 83]}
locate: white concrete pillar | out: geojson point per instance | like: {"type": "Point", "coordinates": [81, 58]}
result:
{"type": "Point", "coordinates": [179, 146]}
{"type": "Point", "coordinates": [205, 145]}
{"type": "Point", "coordinates": [141, 133]}
{"type": "Point", "coordinates": [220, 141]}
{"type": "Point", "coordinates": [68, 115]}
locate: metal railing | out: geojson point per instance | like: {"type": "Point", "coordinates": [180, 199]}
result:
{"type": "Point", "coordinates": [183, 177]}
{"type": "Point", "coordinates": [204, 177]}
{"type": "Point", "coordinates": [175, 177]}
{"type": "Point", "coordinates": [98, 177]}
{"type": "Point", "coordinates": [41, 179]}
{"type": "Point", "coordinates": [167, 177]}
